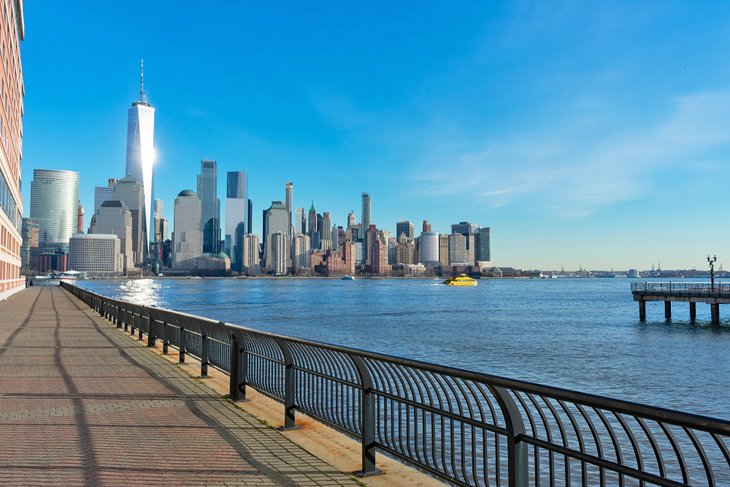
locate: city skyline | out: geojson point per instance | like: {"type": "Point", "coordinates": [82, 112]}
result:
{"type": "Point", "coordinates": [576, 169]}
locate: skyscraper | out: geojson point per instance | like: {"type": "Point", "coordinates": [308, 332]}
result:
{"type": "Point", "coordinates": [12, 31]}
{"type": "Point", "coordinates": [483, 245]}
{"type": "Point", "coordinates": [300, 221]}
{"type": "Point", "coordinates": [210, 207]}
{"type": "Point", "coordinates": [406, 228]}
{"type": "Point", "coordinates": [236, 209]}
{"type": "Point", "coordinates": [141, 150]}
{"type": "Point", "coordinates": [103, 193]}
{"type": "Point", "coordinates": [249, 218]}
{"type": "Point", "coordinates": [351, 219]}
{"type": "Point", "coordinates": [365, 211]}
{"type": "Point", "coordinates": [312, 221]}
{"type": "Point", "coordinates": [301, 248]}
{"type": "Point", "coordinates": [468, 230]}
{"type": "Point", "coordinates": [160, 227]}
{"type": "Point", "coordinates": [131, 193]}
{"type": "Point", "coordinates": [115, 218]}
{"type": "Point", "coordinates": [429, 248]}
{"type": "Point", "coordinates": [288, 201]}
{"type": "Point", "coordinates": [187, 237]}
{"type": "Point", "coordinates": [276, 220]}
{"type": "Point", "coordinates": [54, 205]}
{"type": "Point", "coordinates": [326, 232]}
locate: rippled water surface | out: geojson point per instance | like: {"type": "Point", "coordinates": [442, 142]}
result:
{"type": "Point", "coordinates": [582, 334]}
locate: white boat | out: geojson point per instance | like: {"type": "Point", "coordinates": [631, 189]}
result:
{"type": "Point", "coordinates": [348, 278]}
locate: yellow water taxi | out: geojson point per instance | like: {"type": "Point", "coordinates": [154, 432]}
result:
{"type": "Point", "coordinates": [460, 280]}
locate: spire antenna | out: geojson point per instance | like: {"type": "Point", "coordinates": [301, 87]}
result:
{"type": "Point", "coordinates": [141, 80]}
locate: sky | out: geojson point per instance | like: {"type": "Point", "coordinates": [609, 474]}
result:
{"type": "Point", "coordinates": [593, 134]}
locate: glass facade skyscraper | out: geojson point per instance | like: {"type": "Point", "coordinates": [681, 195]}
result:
{"type": "Point", "coordinates": [141, 151]}
{"type": "Point", "coordinates": [210, 216]}
{"type": "Point", "coordinates": [54, 205]}
{"type": "Point", "coordinates": [236, 211]}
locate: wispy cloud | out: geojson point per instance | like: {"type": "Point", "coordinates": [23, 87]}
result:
{"type": "Point", "coordinates": [574, 172]}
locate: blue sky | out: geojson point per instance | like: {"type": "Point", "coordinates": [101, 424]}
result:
{"type": "Point", "coordinates": [583, 133]}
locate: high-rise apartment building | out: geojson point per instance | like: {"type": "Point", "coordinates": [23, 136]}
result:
{"type": "Point", "coordinates": [426, 226]}
{"type": "Point", "coordinates": [280, 252]}
{"type": "Point", "coordinates": [115, 218]}
{"type": "Point", "coordinates": [54, 205]}
{"type": "Point", "coordinates": [444, 251]}
{"type": "Point", "coordinates": [210, 207]}
{"type": "Point", "coordinates": [250, 260]}
{"type": "Point", "coordinates": [300, 252]}
{"type": "Point", "coordinates": [236, 208]}
{"type": "Point", "coordinates": [187, 236]}
{"type": "Point", "coordinates": [131, 193]}
{"type": "Point", "coordinates": [276, 219]}
{"type": "Point", "coordinates": [141, 153]}
{"type": "Point", "coordinates": [12, 31]}
{"type": "Point", "coordinates": [365, 211]}
{"type": "Point", "coordinates": [95, 253]}
{"type": "Point", "coordinates": [351, 219]}
{"type": "Point", "coordinates": [405, 250]}
{"type": "Point", "coordinates": [405, 227]}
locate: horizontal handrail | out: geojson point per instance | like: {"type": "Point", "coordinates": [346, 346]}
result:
{"type": "Point", "coordinates": [465, 427]}
{"type": "Point", "coordinates": [690, 288]}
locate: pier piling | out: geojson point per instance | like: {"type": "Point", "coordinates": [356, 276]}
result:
{"type": "Point", "coordinates": [642, 310]}
{"type": "Point", "coordinates": [715, 311]}
{"type": "Point", "coordinates": [692, 311]}
{"type": "Point", "coordinates": [668, 310]}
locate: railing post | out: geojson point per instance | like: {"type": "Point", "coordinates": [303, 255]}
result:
{"type": "Point", "coordinates": [165, 340]}
{"type": "Point", "coordinates": [517, 462]}
{"type": "Point", "coordinates": [203, 355]}
{"type": "Point", "coordinates": [116, 316]}
{"type": "Point", "coordinates": [139, 325]}
{"type": "Point", "coordinates": [234, 369]}
{"type": "Point", "coordinates": [151, 338]}
{"type": "Point", "coordinates": [290, 386]}
{"type": "Point", "coordinates": [367, 419]}
{"type": "Point", "coordinates": [181, 356]}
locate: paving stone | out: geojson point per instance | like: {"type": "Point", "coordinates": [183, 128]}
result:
{"type": "Point", "coordinates": [82, 404]}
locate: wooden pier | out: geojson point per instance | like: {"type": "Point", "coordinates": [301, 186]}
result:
{"type": "Point", "coordinates": [687, 292]}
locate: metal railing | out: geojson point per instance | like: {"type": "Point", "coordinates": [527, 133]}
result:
{"type": "Point", "coordinates": [463, 427]}
{"type": "Point", "coordinates": [682, 288]}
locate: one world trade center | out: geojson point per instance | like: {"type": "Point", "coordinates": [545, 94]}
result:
{"type": "Point", "coordinates": [141, 152]}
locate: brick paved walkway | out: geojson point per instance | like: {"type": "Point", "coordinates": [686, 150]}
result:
{"type": "Point", "coordinates": [81, 404]}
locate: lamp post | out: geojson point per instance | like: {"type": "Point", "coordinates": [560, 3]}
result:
{"type": "Point", "coordinates": [711, 261]}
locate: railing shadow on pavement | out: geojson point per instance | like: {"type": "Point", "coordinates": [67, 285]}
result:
{"type": "Point", "coordinates": [463, 427]}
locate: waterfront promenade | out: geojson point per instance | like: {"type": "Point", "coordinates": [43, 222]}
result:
{"type": "Point", "coordinates": [83, 404]}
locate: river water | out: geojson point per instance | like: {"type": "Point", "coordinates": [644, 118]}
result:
{"type": "Point", "coordinates": [581, 334]}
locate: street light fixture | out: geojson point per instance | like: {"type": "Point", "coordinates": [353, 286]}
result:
{"type": "Point", "coordinates": [711, 261]}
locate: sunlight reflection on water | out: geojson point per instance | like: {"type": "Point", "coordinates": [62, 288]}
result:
{"type": "Point", "coordinates": [141, 291]}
